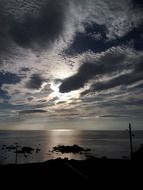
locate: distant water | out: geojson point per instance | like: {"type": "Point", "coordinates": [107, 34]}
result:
{"type": "Point", "coordinates": [111, 144]}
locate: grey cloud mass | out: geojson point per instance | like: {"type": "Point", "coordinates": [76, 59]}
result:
{"type": "Point", "coordinates": [106, 65]}
{"type": "Point", "coordinates": [35, 81]}
{"type": "Point", "coordinates": [70, 60]}
{"type": "Point", "coordinates": [42, 30]}
{"type": "Point", "coordinates": [125, 80]}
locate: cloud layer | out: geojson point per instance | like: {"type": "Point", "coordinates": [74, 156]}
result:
{"type": "Point", "coordinates": [71, 60]}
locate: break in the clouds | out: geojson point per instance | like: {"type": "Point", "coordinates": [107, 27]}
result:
{"type": "Point", "coordinates": [70, 60]}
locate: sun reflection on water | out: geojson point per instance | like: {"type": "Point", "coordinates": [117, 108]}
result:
{"type": "Point", "coordinates": [64, 137]}
{"type": "Point", "coordinates": [67, 137]}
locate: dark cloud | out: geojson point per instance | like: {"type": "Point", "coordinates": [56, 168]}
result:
{"type": "Point", "coordinates": [29, 99]}
{"type": "Point", "coordinates": [107, 64]}
{"type": "Point", "coordinates": [87, 40]}
{"type": "Point", "coordinates": [125, 80]}
{"type": "Point", "coordinates": [113, 115]}
{"type": "Point", "coordinates": [5, 40]}
{"type": "Point", "coordinates": [32, 111]}
{"type": "Point", "coordinates": [31, 30]}
{"type": "Point", "coordinates": [121, 103]}
{"type": "Point", "coordinates": [139, 67]}
{"type": "Point", "coordinates": [138, 3]}
{"type": "Point", "coordinates": [132, 102]}
{"type": "Point", "coordinates": [50, 24]}
{"type": "Point", "coordinates": [42, 101]}
{"type": "Point", "coordinates": [25, 69]}
{"type": "Point", "coordinates": [42, 30]}
{"type": "Point", "coordinates": [138, 87]}
{"type": "Point", "coordinates": [134, 35]}
{"type": "Point", "coordinates": [35, 81]}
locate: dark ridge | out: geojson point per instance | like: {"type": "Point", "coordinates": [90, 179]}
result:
{"type": "Point", "coordinates": [139, 153]}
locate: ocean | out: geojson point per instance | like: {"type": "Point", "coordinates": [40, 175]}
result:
{"type": "Point", "coordinates": [109, 144]}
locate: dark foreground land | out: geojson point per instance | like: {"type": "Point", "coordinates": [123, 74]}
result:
{"type": "Point", "coordinates": [67, 174]}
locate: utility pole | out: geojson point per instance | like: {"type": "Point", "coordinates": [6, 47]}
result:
{"type": "Point", "coordinates": [131, 144]}
{"type": "Point", "coordinates": [16, 154]}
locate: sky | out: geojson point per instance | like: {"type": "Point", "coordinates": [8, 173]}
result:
{"type": "Point", "coordinates": [71, 64]}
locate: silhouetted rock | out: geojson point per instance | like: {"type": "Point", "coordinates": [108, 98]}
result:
{"type": "Point", "coordinates": [37, 150]}
{"type": "Point", "coordinates": [69, 149]}
{"type": "Point", "coordinates": [27, 149]}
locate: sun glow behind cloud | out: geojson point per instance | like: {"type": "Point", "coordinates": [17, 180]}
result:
{"type": "Point", "coordinates": [62, 97]}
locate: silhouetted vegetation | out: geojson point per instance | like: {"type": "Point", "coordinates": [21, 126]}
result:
{"type": "Point", "coordinates": [17, 149]}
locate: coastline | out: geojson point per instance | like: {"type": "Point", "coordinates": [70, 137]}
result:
{"type": "Point", "coordinates": [63, 172]}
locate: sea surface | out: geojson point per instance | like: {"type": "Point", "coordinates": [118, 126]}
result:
{"type": "Point", "coordinates": [110, 144]}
